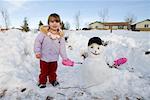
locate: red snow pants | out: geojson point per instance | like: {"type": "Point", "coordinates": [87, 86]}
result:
{"type": "Point", "coordinates": [47, 69]}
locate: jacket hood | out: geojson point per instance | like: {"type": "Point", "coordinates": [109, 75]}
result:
{"type": "Point", "coordinates": [44, 29]}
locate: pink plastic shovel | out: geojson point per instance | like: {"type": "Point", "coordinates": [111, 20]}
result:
{"type": "Point", "coordinates": [68, 62]}
{"type": "Point", "coordinates": [119, 62]}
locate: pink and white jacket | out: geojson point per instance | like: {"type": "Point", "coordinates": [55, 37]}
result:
{"type": "Point", "coordinates": [49, 48]}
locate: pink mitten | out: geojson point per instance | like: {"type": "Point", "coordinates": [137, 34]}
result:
{"type": "Point", "coordinates": [68, 62]}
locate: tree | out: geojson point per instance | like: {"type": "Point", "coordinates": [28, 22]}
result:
{"type": "Point", "coordinates": [40, 24]}
{"type": "Point", "coordinates": [67, 26]}
{"type": "Point", "coordinates": [5, 17]}
{"type": "Point", "coordinates": [62, 25]}
{"type": "Point", "coordinates": [130, 18]}
{"type": "Point", "coordinates": [103, 14]}
{"type": "Point", "coordinates": [77, 20]}
{"type": "Point", "coordinates": [86, 25]}
{"type": "Point", "coordinates": [25, 26]}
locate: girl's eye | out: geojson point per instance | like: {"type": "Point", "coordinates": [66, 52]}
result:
{"type": "Point", "coordinates": [91, 46]}
{"type": "Point", "coordinates": [98, 48]}
{"type": "Point", "coordinates": [57, 21]}
{"type": "Point", "coordinates": [52, 21]}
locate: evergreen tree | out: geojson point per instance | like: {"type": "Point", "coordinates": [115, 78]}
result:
{"type": "Point", "coordinates": [25, 26]}
{"type": "Point", "coordinates": [67, 26]}
{"type": "Point", "coordinates": [62, 25]}
{"type": "Point", "coordinates": [40, 24]}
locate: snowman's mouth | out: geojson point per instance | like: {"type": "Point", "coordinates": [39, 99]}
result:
{"type": "Point", "coordinates": [95, 53]}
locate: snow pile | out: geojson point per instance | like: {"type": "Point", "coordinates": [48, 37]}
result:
{"type": "Point", "coordinates": [132, 80]}
{"type": "Point", "coordinates": [19, 69]}
{"type": "Point", "coordinates": [17, 63]}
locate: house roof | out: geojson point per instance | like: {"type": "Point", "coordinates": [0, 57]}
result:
{"type": "Point", "coordinates": [142, 21]}
{"type": "Point", "coordinates": [112, 23]}
{"type": "Point", "coordinates": [95, 22]}
{"type": "Point", "coordinates": [116, 24]}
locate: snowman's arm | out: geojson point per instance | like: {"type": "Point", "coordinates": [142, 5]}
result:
{"type": "Point", "coordinates": [84, 55]}
{"type": "Point", "coordinates": [147, 52]}
{"type": "Point", "coordinates": [105, 43]}
{"type": "Point", "coordinates": [109, 65]}
{"type": "Point", "coordinates": [109, 62]}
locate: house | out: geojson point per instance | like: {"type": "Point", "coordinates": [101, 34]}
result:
{"type": "Point", "coordinates": [109, 25]}
{"type": "Point", "coordinates": [141, 26]}
{"type": "Point", "coordinates": [96, 25]}
{"type": "Point", "coordinates": [116, 25]}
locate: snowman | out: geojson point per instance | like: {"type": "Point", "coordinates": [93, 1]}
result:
{"type": "Point", "coordinates": [94, 70]}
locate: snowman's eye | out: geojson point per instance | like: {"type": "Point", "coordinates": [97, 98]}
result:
{"type": "Point", "coordinates": [91, 46]}
{"type": "Point", "coordinates": [98, 48]}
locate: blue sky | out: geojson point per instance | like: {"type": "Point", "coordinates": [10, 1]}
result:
{"type": "Point", "coordinates": [36, 10]}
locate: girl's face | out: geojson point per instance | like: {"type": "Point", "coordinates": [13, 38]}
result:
{"type": "Point", "coordinates": [54, 24]}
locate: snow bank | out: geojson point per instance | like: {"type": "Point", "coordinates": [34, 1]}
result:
{"type": "Point", "coordinates": [19, 69]}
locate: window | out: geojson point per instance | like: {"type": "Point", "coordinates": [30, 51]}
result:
{"type": "Point", "coordinates": [146, 25]}
{"type": "Point", "coordinates": [96, 27]}
{"type": "Point", "coordinates": [120, 27]}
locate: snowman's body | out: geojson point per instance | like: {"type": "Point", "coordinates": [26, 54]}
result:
{"type": "Point", "coordinates": [94, 70]}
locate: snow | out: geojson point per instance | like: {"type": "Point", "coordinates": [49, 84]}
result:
{"type": "Point", "coordinates": [19, 68]}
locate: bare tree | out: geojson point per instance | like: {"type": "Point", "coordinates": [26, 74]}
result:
{"type": "Point", "coordinates": [130, 18]}
{"type": "Point", "coordinates": [87, 24]}
{"type": "Point", "coordinates": [77, 20]}
{"type": "Point", "coordinates": [5, 17]}
{"type": "Point", "coordinates": [103, 14]}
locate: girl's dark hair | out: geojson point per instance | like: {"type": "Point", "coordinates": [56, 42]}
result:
{"type": "Point", "coordinates": [55, 16]}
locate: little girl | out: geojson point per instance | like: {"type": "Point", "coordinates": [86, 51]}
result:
{"type": "Point", "coordinates": [49, 44]}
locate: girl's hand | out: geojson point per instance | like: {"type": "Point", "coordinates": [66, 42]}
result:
{"type": "Point", "coordinates": [38, 55]}
{"type": "Point", "coordinates": [67, 62]}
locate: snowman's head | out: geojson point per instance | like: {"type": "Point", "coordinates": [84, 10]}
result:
{"type": "Point", "coordinates": [95, 46]}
